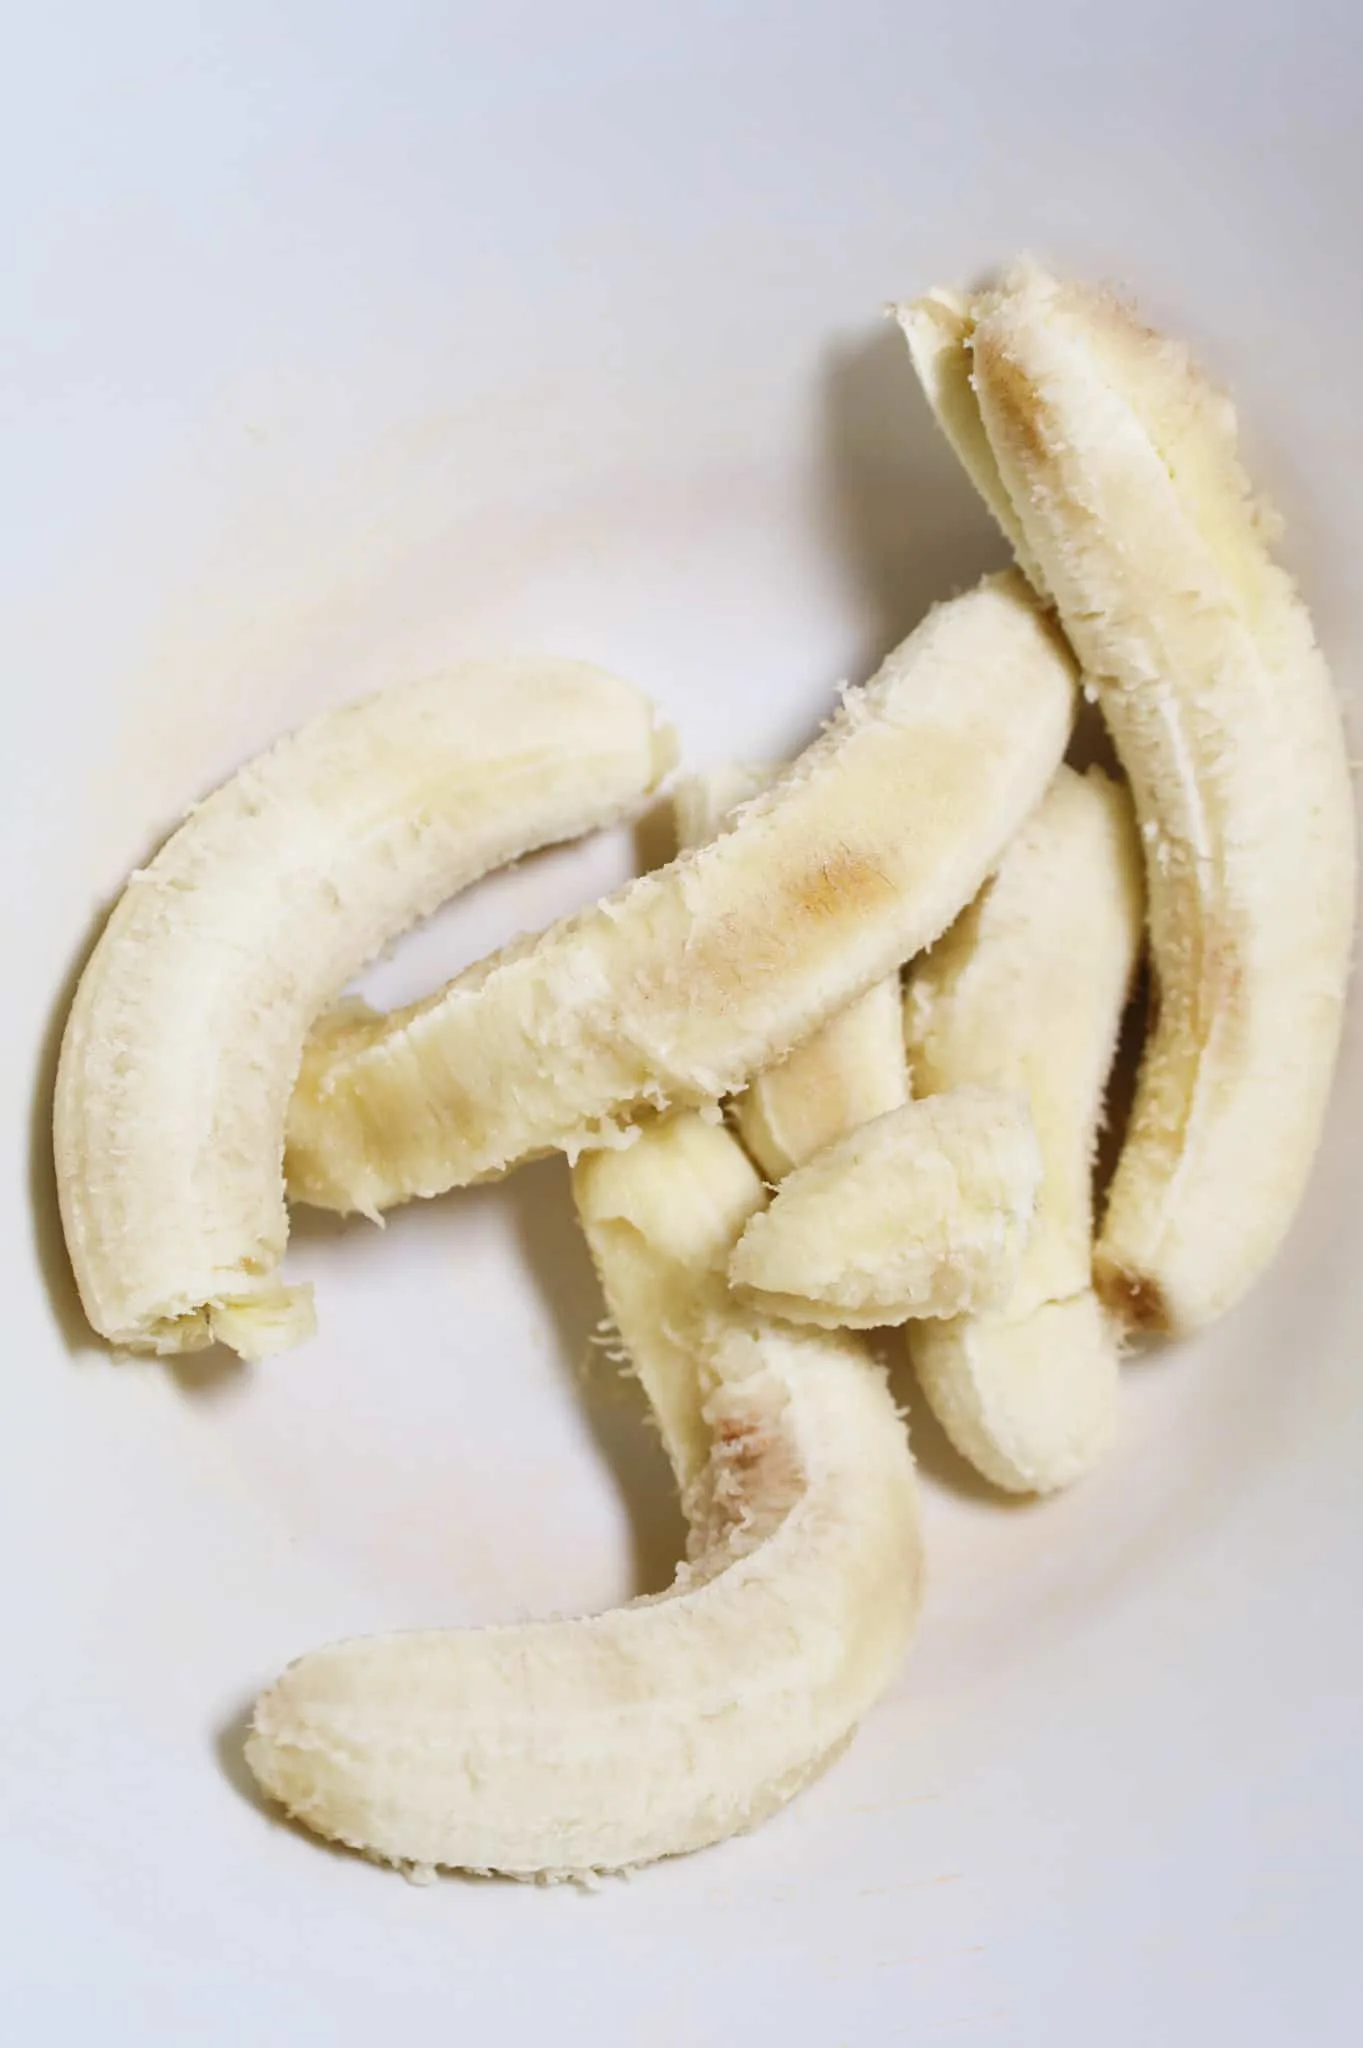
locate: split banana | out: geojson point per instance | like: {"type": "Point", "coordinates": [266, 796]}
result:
{"type": "Point", "coordinates": [187, 1029]}
{"type": "Point", "coordinates": [853, 1069]}
{"type": "Point", "coordinates": [566, 1747]}
{"type": "Point", "coordinates": [1026, 991]}
{"type": "Point", "coordinates": [1120, 464]}
{"type": "Point", "coordinates": [923, 1212]}
{"type": "Point", "coordinates": [678, 989]}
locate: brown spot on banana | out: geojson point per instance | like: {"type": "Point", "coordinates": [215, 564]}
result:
{"type": "Point", "coordinates": [1133, 1297]}
{"type": "Point", "coordinates": [842, 881]}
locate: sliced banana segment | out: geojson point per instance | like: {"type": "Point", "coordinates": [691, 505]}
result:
{"type": "Point", "coordinates": [1026, 991]}
{"type": "Point", "coordinates": [923, 1212]}
{"type": "Point", "coordinates": [854, 1069]}
{"type": "Point", "coordinates": [1121, 464]}
{"type": "Point", "coordinates": [680, 988]}
{"type": "Point", "coordinates": [187, 1029]}
{"type": "Point", "coordinates": [575, 1746]}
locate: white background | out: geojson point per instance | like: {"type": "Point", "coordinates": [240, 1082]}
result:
{"type": "Point", "coordinates": [336, 340]}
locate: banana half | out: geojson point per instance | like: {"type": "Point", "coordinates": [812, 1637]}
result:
{"type": "Point", "coordinates": [567, 1747]}
{"type": "Point", "coordinates": [923, 1212]}
{"type": "Point", "coordinates": [187, 1028]}
{"type": "Point", "coordinates": [1026, 992]}
{"type": "Point", "coordinates": [1118, 466]}
{"type": "Point", "coordinates": [677, 990]}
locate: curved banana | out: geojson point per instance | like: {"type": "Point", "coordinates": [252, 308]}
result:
{"type": "Point", "coordinates": [566, 1747]}
{"type": "Point", "coordinates": [923, 1212]}
{"type": "Point", "coordinates": [851, 1070]}
{"type": "Point", "coordinates": [1026, 991]}
{"type": "Point", "coordinates": [680, 988]}
{"type": "Point", "coordinates": [1120, 462]}
{"type": "Point", "coordinates": [186, 1031]}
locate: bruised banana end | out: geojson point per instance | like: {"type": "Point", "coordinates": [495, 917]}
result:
{"type": "Point", "coordinates": [851, 1070]}
{"type": "Point", "coordinates": [1121, 464]}
{"type": "Point", "coordinates": [923, 1212]}
{"type": "Point", "coordinates": [1026, 992]}
{"type": "Point", "coordinates": [187, 1028]}
{"type": "Point", "coordinates": [676, 990]}
{"type": "Point", "coordinates": [567, 1747]}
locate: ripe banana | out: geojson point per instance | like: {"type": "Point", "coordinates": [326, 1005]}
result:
{"type": "Point", "coordinates": [681, 987]}
{"type": "Point", "coordinates": [1120, 463]}
{"type": "Point", "coordinates": [567, 1747]}
{"type": "Point", "coordinates": [186, 1031]}
{"type": "Point", "coordinates": [1026, 991]}
{"type": "Point", "coordinates": [853, 1069]}
{"type": "Point", "coordinates": [923, 1212]}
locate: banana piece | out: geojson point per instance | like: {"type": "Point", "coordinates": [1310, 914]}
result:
{"type": "Point", "coordinates": [678, 989]}
{"type": "Point", "coordinates": [1026, 991]}
{"type": "Point", "coordinates": [1120, 462]}
{"type": "Point", "coordinates": [922, 1212]}
{"type": "Point", "coordinates": [188, 1025]}
{"type": "Point", "coordinates": [850, 1071]}
{"type": "Point", "coordinates": [566, 1747]}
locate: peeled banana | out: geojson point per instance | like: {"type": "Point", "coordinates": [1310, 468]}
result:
{"type": "Point", "coordinates": [1026, 991]}
{"type": "Point", "coordinates": [922, 1212]}
{"type": "Point", "coordinates": [1120, 464]}
{"type": "Point", "coordinates": [681, 987]}
{"type": "Point", "coordinates": [851, 1070]}
{"type": "Point", "coordinates": [567, 1747]}
{"type": "Point", "coordinates": [187, 1029]}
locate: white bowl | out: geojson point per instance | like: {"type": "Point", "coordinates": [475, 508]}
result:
{"type": "Point", "coordinates": [341, 340]}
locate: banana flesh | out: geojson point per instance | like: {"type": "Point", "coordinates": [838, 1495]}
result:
{"type": "Point", "coordinates": [567, 1747]}
{"type": "Point", "coordinates": [680, 988]}
{"type": "Point", "coordinates": [937, 328]}
{"type": "Point", "coordinates": [1120, 463]}
{"type": "Point", "coordinates": [850, 1071]}
{"type": "Point", "coordinates": [705, 805]}
{"type": "Point", "coordinates": [923, 1212]}
{"type": "Point", "coordinates": [1026, 991]}
{"type": "Point", "coordinates": [187, 1029]}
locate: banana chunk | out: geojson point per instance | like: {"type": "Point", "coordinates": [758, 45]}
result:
{"type": "Point", "coordinates": [187, 1029]}
{"type": "Point", "coordinates": [678, 989]}
{"type": "Point", "coordinates": [567, 1747]}
{"type": "Point", "coordinates": [854, 1069]}
{"type": "Point", "coordinates": [923, 1212]}
{"type": "Point", "coordinates": [1120, 464]}
{"type": "Point", "coordinates": [1026, 991]}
